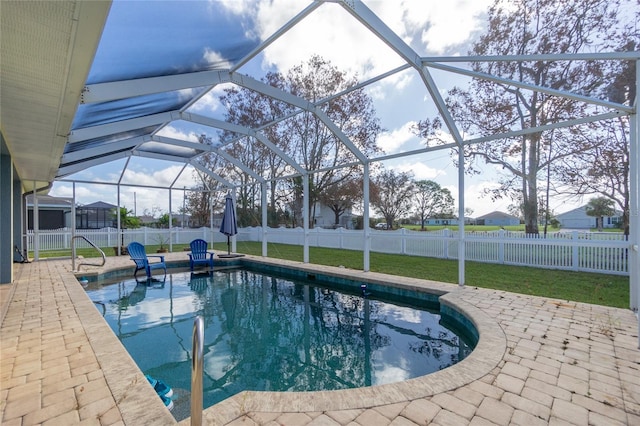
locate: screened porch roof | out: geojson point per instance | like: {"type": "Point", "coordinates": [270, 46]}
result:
{"type": "Point", "coordinates": [94, 83]}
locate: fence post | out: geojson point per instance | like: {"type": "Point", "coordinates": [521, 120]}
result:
{"type": "Point", "coordinates": [445, 243]}
{"type": "Point", "coordinates": [403, 241]}
{"type": "Point", "coordinates": [501, 236]}
{"type": "Point", "coordinates": [575, 258]}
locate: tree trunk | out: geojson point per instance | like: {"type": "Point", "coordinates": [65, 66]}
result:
{"type": "Point", "coordinates": [272, 198]}
{"type": "Point", "coordinates": [530, 193]}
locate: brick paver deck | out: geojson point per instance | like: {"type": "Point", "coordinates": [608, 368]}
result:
{"type": "Point", "coordinates": [540, 361]}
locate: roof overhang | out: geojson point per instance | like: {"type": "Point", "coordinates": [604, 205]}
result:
{"type": "Point", "coordinates": [47, 50]}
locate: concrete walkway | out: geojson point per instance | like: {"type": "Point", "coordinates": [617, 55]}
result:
{"type": "Point", "coordinates": [540, 361]}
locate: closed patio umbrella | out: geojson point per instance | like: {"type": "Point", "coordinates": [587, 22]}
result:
{"type": "Point", "coordinates": [229, 227]}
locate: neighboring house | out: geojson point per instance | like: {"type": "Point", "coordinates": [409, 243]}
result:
{"type": "Point", "coordinates": [325, 218]}
{"type": "Point", "coordinates": [147, 220]}
{"type": "Point", "coordinates": [96, 216]}
{"type": "Point", "coordinates": [182, 220]}
{"type": "Point", "coordinates": [497, 219]}
{"type": "Point", "coordinates": [578, 219]}
{"type": "Point", "coordinates": [53, 213]}
{"type": "Point", "coordinates": [178, 219]}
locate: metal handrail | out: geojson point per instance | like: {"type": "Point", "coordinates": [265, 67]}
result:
{"type": "Point", "coordinates": [196, 371]}
{"type": "Point", "coordinates": [73, 253]}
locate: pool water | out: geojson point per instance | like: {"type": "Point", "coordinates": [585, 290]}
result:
{"type": "Point", "coordinates": [270, 333]}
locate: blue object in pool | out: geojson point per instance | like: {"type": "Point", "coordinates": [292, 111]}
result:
{"type": "Point", "coordinates": [160, 387]}
{"type": "Point", "coordinates": [168, 402]}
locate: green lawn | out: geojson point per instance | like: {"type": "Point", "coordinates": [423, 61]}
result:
{"type": "Point", "coordinates": [468, 228]}
{"type": "Point", "coordinates": [601, 289]}
{"type": "Point", "coordinates": [486, 228]}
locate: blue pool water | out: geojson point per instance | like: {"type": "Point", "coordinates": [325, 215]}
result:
{"type": "Point", "coordinates": [266, 332]}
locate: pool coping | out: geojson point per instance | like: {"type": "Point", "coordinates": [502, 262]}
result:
{"type": "Point", "coordinates": [134, 396]}
{"type": "Point", "coordinates": [487, 354]}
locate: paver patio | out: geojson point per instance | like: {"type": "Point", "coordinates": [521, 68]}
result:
{"type": "Point", "coordinates": [547, 361]}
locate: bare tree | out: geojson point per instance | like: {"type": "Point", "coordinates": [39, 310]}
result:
{"type": "Point", "coordinates": [391, 194]}
{"type": "Point", "coordinates": [312, 143]}
{"type": "Point", "coordinates": [342, 196]}
{"type": "Point", "coordinates": [520, 27]}
{"type": "Point", "coordinates": [253, 109]}
{"type": "Point", "coordinates": [603, 169]}
{"type": "Point", "coordinates": [202, 200]}
{"type": "Point", "coordinates": [304, 136]}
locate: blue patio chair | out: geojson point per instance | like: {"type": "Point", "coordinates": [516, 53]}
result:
{"type": "Point", "coordinates": [199, 254]}
{"type": "Point", "coordinates": [140, 258]}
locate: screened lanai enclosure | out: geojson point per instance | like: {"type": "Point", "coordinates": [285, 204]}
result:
{"type": "Point", "coordinates": [280, 103]}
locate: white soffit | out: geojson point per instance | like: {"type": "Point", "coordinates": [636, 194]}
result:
{"type": "Point", "coordinates": [47, 49]}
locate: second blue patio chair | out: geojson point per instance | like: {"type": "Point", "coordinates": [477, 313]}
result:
{"type": "Point", "coordinates": [141, 259]}
{"type": "Point", "coordinates": [199, 254]}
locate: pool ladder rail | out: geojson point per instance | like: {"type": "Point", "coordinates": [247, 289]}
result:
{"type": "Point", "coordinates": [196, 371]}
{"type": "Point", "coordinates": [73, 253]}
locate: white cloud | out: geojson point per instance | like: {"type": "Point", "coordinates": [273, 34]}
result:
{"type": "Point", "coordinates": [262, 17]}
{"type": "Point", "coordinates": [216, 59]}
{"type": "Point", "coordinates": [237, 7]}
{"type": "Point", "coordinates": [420, 170]}
{"type": "Point", "coordinates": [389, 374]}
{"type": "Point", "coordinates": [138, 198]}
{"type": "Point", "coordinates": [394, 83]}
{"type": "Point", "coordinates": [172, 132]}
{"type": "Point", "coordinates": [210, 102]}
{"type": "Point", "coordinates": [433, 27]}
{"type": "Point", "coordinates": [162, 178]}
{"type": "Point", "coordinates": [338, 38]}
{"type": "Point", "coordinates": [273, 14]}
{"type": "Point", "coordinates": [452, 23]}
{"type": "Point", "coordinates": [392, 141]}
{"type": "Point", "coordinates": [65, 190]}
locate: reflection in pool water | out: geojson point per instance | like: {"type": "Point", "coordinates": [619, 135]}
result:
{"type": "Point", "coordinates": [269, 333]}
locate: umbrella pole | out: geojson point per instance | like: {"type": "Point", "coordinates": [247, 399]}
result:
{"type": "Point", "coordinates": [228, 245]}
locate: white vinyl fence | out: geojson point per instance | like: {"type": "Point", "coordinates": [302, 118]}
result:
{"type": "Point", "coordinates": [60, 239]}
{"type": "Point", "coordinates": [577, 251]}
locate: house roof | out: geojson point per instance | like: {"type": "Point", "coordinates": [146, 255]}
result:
{"type": "Point", "coordinates": [49, 201]}
{"type": "Point", "coordinates": [583, 210]}
{"type": "Point", "coordinates": [99, 205]}
{"type": "Point", "coordinates": [498, 215]}
{"type": "Point", "coordinates": [145, 218]}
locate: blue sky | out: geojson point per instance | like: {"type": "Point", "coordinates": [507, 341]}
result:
{"type": "Point", "coordinates": [147, 36]}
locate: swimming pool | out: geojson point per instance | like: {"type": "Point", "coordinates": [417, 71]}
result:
{"type": "Point", "coordinates": [269, 332]}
